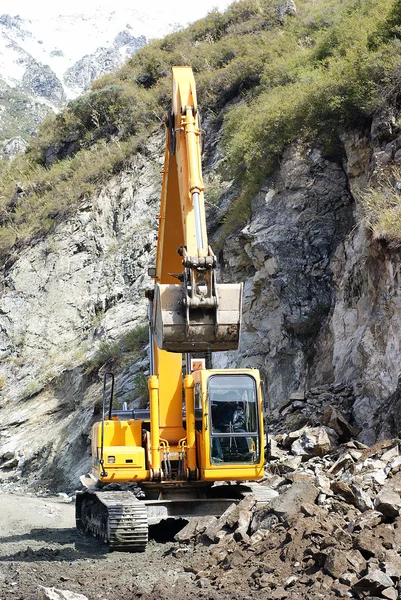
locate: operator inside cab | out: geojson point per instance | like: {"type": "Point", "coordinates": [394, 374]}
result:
{"type": "Point", "coordinates": [228, 416]}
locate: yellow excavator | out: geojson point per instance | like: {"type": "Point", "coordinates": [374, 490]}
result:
{"type": "Point", "coordinates": [204, 425]}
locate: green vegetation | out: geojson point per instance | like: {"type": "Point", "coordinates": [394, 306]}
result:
{"type": "Point", "coordinates": [311, 76]}
{"type": "Point", "coordinates": [50, 194]}
{"type": "Point", "coordinates": [141, 390]}
{"type": "Point", "coordinates": [132, 344]}
{"type": "Point", "coordinates": [382, 204]}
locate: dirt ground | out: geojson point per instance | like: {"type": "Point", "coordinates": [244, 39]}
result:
{"type": "Point", "coordinates": [39, 545]}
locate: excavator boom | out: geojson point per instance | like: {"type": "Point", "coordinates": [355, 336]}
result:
{"type": "Point", "coordinates": [191, 311]}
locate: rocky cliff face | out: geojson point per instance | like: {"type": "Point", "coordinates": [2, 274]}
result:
{"type": "Point", "coordinates": [62, 298]}
{"type": "Point", "coordinates": [299, 219]}
{"type": "Point", "coordinates": [321, 298]}
{"type": "Point", "coordinates": [320, 305]}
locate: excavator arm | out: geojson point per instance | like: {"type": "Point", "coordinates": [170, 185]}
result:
{"type": "Point", "coordinates": [191, 312]}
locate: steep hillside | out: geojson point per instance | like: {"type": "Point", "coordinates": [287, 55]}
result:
{"type": "Point", "coordinates": [300, 105]}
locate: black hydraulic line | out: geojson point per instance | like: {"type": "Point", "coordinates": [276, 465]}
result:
{"type": "Point", "coordinates": [151, 348]}
{"type": "Point", "coordinates": [101, 461]}
{"type": "Point", "coordinates": [180, 470]}
{"type": "Point", "coordinates": [169, 465]}
{"type": "Point", "coordinates": [165, 463]}
{"type": "Point", "coordinates": [111, 375]}
{"type": "Point", "coordinates": [188, 363]}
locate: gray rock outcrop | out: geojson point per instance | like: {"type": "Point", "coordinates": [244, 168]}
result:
{"type": "Point", "coordinates": [40, 81]}
{"type": "Point", "coordinates": [66, 298]}
{"type": "Point", "coordinates": [298, 221]}
{"type": "Point", "coordinates": [102, 61]}
{"type": "Point", "coordinates": [11, 148]}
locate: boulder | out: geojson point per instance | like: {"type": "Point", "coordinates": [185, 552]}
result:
{"type": "Point", "coordinates": [290, 437]}
{"type": "Point", "coordinates": [388, 503]}
{"type": "Point", "coordinates": [369, 544]}
{"type": "Point", "coordinates": [263, 519]}
{"type": "Point", "coordinates": [289, 464]}
{"type": "Point", "coordinates": [374, 582]}
{"type": "Point", "coordinates": [323, 483]}
{"type": "Point", "coordinates": [391, 454]}
{"type": "Point", "coordinates": [343, 490]}
{"type": "Point", "coordinates": [335, 420]}
{"type": "Point", "coordinates": [368, 519]}
{"type": "Point", "coordinates": [316, 441]}
{"type": "Point", "coordinates": [357, 564]}
{"type": "Point", "coordinates": [363, 499]}
{"type": "Point", "coordinates": [392, 564]}
{"type": "Point", "coordinates": [390, 593]}
{"type": "Point", "coordinates": [274, 451]}
{"type": "Point", "coordinates": [335, 563]}
{"type": "Point", "coordinates": [289, 503]}
{"type": "Point", "coordinates": [194, 527]}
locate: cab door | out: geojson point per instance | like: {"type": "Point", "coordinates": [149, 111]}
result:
{"type": "Point", "coordinates": [232, 440]}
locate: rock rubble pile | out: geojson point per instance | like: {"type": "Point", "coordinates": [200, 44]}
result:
{"type": "Point", "coordinates": [329, 405]}
{"type": "Point", "coordinates": [324, 523]}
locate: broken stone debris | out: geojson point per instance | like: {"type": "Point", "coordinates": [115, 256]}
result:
{"type": "Point", "coordinates": [332, 525]}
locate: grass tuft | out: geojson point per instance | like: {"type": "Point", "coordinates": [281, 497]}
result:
{"type": "Point", "coordinates": [382, 207]}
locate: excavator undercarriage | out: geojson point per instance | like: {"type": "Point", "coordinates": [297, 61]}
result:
{"type": "Point", "coordinates": [117, 517]}
{"type": "Point", "coordinates": [122, 520]}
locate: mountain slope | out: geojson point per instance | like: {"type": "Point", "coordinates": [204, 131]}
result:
{"type": "Point", "coordinates": [301, 110]}
{"type": "Point", "coordinates": [46, 61]}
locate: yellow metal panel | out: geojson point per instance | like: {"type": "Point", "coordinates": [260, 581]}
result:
{"type": "Point", "coordinates": [233, 473]}
{"type": "Point", "coordinates": [121, 433]}
{"type": "Point", "coordinates": [170, 235]}
{"type": "Point", "coordinates": [122, 475]}
{"type": "Point", "coordinates": [169, 371]}
{"type": "Point", "coordinates": [184, 90]}
{"type": "Point", "coordinates": [132, 457]}
{"type": "Point", "coordinates": [123, 440]}
{"type": "Point", "coordinates": [153, 439]}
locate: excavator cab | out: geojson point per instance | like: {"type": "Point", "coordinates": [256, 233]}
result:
{"type": "Point", "coordinates": [234, 419]}
{"type": "Point", "coordinates": [230, 433]}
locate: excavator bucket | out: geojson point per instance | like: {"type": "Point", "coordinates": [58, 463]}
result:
{"type": "Point", "coordinates": [177, 328]}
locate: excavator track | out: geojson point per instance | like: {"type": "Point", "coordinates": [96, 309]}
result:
{"type": "Point", "coordinates": [118, 518]}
